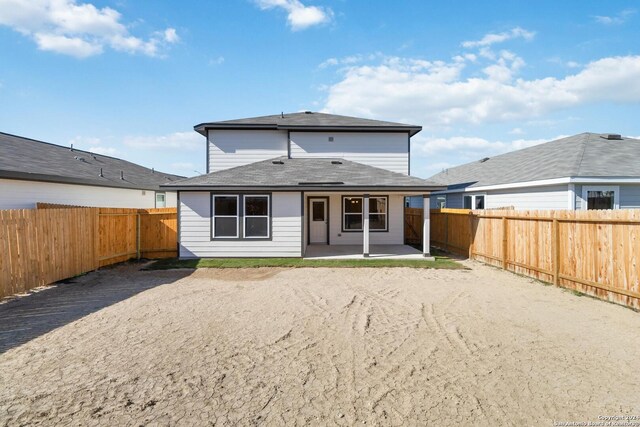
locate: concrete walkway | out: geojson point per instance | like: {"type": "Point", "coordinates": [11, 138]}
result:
{"type": "Point", "coordinates": [355, 252]}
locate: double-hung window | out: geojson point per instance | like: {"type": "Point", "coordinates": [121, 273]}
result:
{"type": "Point", "coordinates": [352, 213]}
{"type": "Point", "coordinates": [236, 216]}
{"type": "Point", "coordinates": [256, 216]}
{"type": "Point", "coordinates": [226, 216]}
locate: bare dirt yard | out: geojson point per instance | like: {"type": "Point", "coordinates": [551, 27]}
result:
{"type": "Point", "coordinates": [388, 346]}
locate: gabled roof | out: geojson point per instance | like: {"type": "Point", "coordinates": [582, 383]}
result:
{"type": "Point", "coordinates": [309, 120]}
{"type": "Point", "coordinates": [583, 155]}
{"type": "Point", "coordinates": [305, 174]}
{"type": "Point", "coordinates": [28, 159]}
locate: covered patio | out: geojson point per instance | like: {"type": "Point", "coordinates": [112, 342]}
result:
{"type": "Point", "coordinates": [356, 252]}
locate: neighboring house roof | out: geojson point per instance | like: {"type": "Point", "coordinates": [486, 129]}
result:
{"type": "Point", "coordinates": [583, 155]}
{"type": "Point", "coordinates": [309, 120]}
{"type": "Point", "coordinates": [306, 174]}
{"type": "Point", "coordinates": [28, 159]}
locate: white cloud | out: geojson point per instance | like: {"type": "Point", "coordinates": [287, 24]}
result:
{"type": "Point", "coordinates": [349, 60]}
{"type": "Point", "coordinates": [618, 19]}
{"type": "Point", "coordinates": [177, 140]}
{"type": "Point", "coordinates": [491, 38]}
{"type": "Point", "coordinates": [299, 16]}
{"type": "Point", "coordinates": [430, 155]}
{"type": "Point", "coordinates": [105, 151]}
{"type": "Point", "coordinates": [216, 61]}
{"type": "Point", "coordinates": [185, 168]}
{"type": "Point", "coordinates": [435, 93]}
{"type": "Point", "coordinates": [78, 29]}
{"type": "Point", "coordinates": [516, 131]}
{"type": "Point", "coordinates": [473, 144]}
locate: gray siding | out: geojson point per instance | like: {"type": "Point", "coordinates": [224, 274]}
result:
{"type": "Point", "coordinates": [454, 201]}
{"type": "Point", "coordinates": [383, 150]}
{"type": "Point", "coordinates": [630, 197]}
{"type": "Point", "coordinates": [231, 148]}
{"type": "Point", "coordinates": [530, 198]}
{"type": "Point", "coordinates": [195, 229]}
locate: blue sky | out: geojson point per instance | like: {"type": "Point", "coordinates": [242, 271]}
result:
{"type": "Point", "coordinates": [131, 78]}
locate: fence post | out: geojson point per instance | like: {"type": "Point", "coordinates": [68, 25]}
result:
{"type": "Point", "coordinates": [138, 235]}
{"type": "Point", "coordinates": [555, 233]}
{"type": "Point", "coordinates": [471, 235]}
{"type": "Point", "coordinates": [96, 239]}
{"type": "Point", "coordinates": [504, 242]}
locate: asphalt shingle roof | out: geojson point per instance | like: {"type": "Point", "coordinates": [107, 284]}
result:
{"type": "Point", "coordinates": [583, 155]}
{"type": "Point", "coordinates": [24, 158]}
{"type": "Point", "coordinates": [305, 173]}
{"type": "Point", "coordinates": [311, 120]}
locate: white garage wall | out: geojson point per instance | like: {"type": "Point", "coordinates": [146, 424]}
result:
{"type": "Point", "coordinates": [18, 194]}
{"type": "Point", "coordinates": [195, 229]}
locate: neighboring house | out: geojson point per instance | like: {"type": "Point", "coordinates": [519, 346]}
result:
{"type": "Point", "coordinates": [585, 171]}
{"type": "Point", "coordinates": [277, 184]}
{"type": "Point", "coordinates": [34, 171]}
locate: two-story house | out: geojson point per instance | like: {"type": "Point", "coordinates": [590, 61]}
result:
{"type": "Point", "coordinates": [282, 185]}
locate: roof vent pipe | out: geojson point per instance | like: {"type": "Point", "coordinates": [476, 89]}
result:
{"type": "Point", "coordinates": [282, 114]}
{"type": "Point", "coordinates": [101, 175]}
{"type": "Point", "coordinates": [71, 149]}
{"type": "Point", "coordinates": [122, 175]}
{"type": "Point", "coordinates": [153, 170]}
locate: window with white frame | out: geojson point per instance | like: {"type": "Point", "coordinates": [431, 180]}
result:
{"type": "Point", "coordinates": [256, 216]}
{"type": "Point", "coordinates": [353, 208]}
{"type": "Point", "coordinates": [473, 201]}
{"type": "Point", "coordinates": [441, 202]}
{"type": "Point", "coordinates": [161, 200]}
{"type": "Point", "coordinates": [225, 216]}
{"type": "Point", "coordinates": [601, 197]}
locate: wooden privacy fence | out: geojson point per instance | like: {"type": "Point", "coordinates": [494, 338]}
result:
{"type": "Point", "coordinates": [594, 252]}
{"type": "Point", "coordinates": [52, 243]}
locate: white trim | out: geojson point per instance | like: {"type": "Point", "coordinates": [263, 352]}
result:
{"type": "Point", "coordinates": [571, 196]}
{"type": "Point", "coordinates": [544, 182]}
{"type": "Point", "coordinates": [614, 188]}
{"type": "Point", "coordinates": [245, 216]}
{"type": "Point", "coordinates": [473, 200]}
{"type": "Point", "coordinates": [607, 180]}
{"type": "Point", "coordinates": [213, 216]}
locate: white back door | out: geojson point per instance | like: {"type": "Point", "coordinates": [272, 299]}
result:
{"type": "Point", "coordinates": [318, 221]}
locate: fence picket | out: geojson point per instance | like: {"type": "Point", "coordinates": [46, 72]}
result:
{"type": "Point", "coordinates": [595, 252]}
{"type": "Point", "coordinates": [55, 242]}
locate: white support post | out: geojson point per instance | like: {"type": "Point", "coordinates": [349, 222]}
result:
{"type": "Point", "coordinates": [365, 225]}
{"type": "Point", "coordinates": [426, 226]}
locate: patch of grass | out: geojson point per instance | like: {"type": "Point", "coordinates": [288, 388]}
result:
{"type": "Point", "coordinates": [172, 263]}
